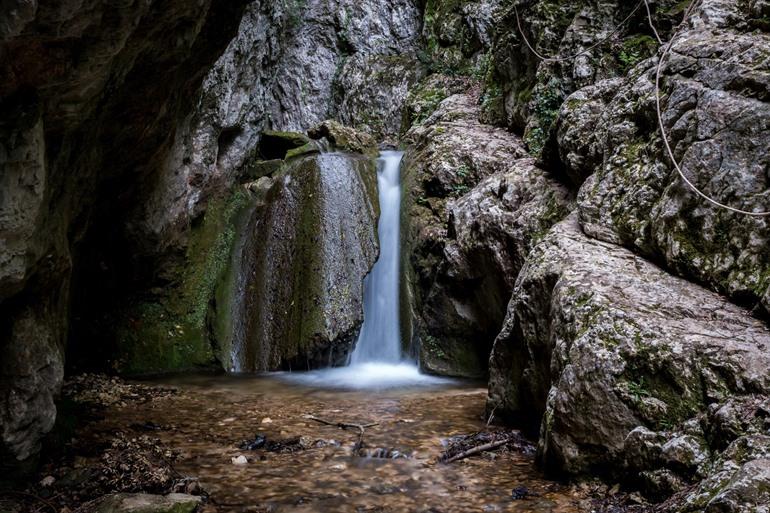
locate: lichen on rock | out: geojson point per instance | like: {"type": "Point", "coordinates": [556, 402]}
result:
{"type": "Point", "coordinates": [599, 342]}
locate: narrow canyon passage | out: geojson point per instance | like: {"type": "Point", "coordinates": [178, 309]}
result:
{"type": "Point", "coordinates": [385, 255]}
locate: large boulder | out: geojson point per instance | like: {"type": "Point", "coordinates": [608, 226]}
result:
{"type": "Point", "coordinates": [474, 207]}
{"type": "Point", "coordinates": [293, 295]}
{"type": "Point", "coordinates": [599, 342]}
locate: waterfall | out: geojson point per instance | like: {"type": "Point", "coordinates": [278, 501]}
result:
{"type": "Point", "coordinates": [376, 361]}
{"type": "Point", "coordinates": [380, 339]}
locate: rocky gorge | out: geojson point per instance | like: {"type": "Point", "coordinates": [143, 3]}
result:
{"type": "Point", "coordinates": [192, 187]}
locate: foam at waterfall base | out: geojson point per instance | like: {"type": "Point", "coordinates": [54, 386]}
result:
{"type": "Point", "coordinates": [370, 375]}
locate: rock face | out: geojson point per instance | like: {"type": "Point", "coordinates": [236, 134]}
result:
{"type": "Point", "coordinates": [590, 38]}
{"type": "Point", "coordinates": [295, 295]}
{"type": "Point", "coordinates": [70, 71]}
{"type": "Point", "coordinates": [717, 120]}
{"type": "Point", "coordinates": [274, 271]}
{"type": "Point", "coordinates": [600, 343]}
{"type": "Point", "coordinates": [472, 211]}
{"type": "Point", "coordinates": [619, 366]}
{"type": "Point", "coordinates": [288, 68]}
{"type": "Point", "coordinates": [291, 66]}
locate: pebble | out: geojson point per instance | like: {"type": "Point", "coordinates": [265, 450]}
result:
{"type": "Point", "coordinates": [267, 420]}
{"type": "Point", "coordinates": [47, 481]}
{"type": "Point", "coordinates": [239, 460]}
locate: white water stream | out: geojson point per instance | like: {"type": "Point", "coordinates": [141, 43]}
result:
{"type": "Point", "coordinates": [377, 361]}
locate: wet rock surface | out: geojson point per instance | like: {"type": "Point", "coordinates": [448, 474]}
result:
{"type": "Point", "coordinates": [294, 295]}
{"type": "Point", "coordinates": [474, 207]}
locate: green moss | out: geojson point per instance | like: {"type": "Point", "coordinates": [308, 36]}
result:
{"type": "Point", "coordinates": [306, 149]}
{"type": "Point", "coordinates": [295, 10]}
{"type": "Point", "coordinates": [635, 49]}
{"type": "Point", "coordinates": [170, 332]}
{"type": "Point", "coordinates": [546, 101]}
{"type": "Point", "coordinates": [424, 102]}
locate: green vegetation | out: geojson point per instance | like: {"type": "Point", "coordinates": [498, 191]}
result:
{"type": "Point", "coordinates": [169, 332]}
{"type": "Point", "coordinates": [545, 104]}
{"type": "Point", "coordinates": [635, 49]}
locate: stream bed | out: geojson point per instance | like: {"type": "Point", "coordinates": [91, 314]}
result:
{"type": "Point", "coordinates": [210, 416]}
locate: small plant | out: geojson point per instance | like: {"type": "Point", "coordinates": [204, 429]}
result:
{"type": "Point", "coordinates": [635, 50]}
{"type": "Point", "coordinates": [638, 389]}
{"type": "Point", "coordinates": [460, 189]}
{"type": "Point", "coordinates": [546, 101]}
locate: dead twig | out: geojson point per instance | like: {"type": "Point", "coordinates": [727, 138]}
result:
{"type": "Point", "coordinates": [477, 450]}
{"type": "Point", "coordinates": [342, 425]}
{"type": "Point", "coordinates": [491, 416]}
{"type": "Point", "coordinates": [345, 425]}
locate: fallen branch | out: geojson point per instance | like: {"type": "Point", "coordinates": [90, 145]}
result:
{"type": "Point", "coordinates": [477, 450]}
{"type": "Point", "coordinates": [345, 425]}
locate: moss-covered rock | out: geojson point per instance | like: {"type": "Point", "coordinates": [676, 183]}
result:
{"type": "Point", "coordinates": [599, 342]}
{"type": "Point", "coordinates": [170, 330]}
{"type": "Point", "coordinates": [534, 89]}
{"type": "Point", "coordinates": [457, 34]}
{"type": "Point", "coordinates": [473, 208]}
{"type": "Point", "coordinates": [344, 138]}
{"type": "Point", "coordinates": [720, 135]}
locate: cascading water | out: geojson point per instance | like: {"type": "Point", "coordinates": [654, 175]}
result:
{"type": "Point", "coordinates": [380, 339]}
{"type": "Point", "coordinates": [376, 361]}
